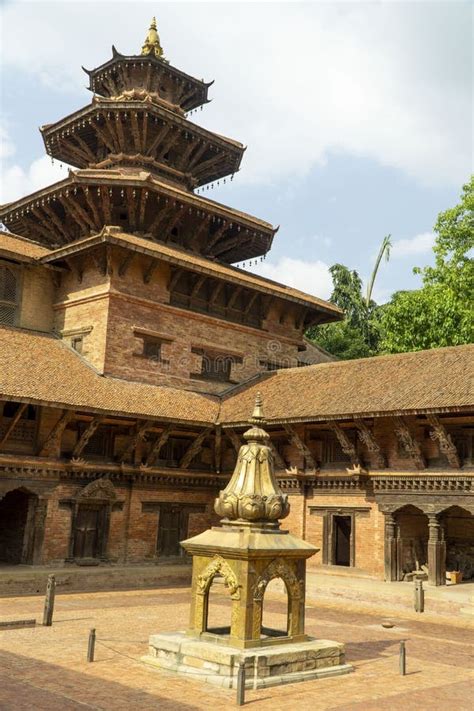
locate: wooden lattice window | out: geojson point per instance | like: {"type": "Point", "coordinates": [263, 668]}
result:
{"type": "Point", "coordinates": [9, 295]}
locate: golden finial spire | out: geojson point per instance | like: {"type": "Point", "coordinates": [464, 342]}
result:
{"type": "Point", "coordinates": [152, 42]}
{"type": "Point", "coordinates": [257, 413]}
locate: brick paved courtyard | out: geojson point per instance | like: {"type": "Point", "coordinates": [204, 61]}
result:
{"type": "Point", "coordinates": [46, 668]}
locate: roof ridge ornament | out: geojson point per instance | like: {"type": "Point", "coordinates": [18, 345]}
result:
{"type": "Point", "coordinates": [152, 43]}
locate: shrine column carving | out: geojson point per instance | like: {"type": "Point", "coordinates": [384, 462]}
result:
{"type": "Point", "coordinates": [390, 547]}
{"type": "Point", "coordinates": [436, 551]}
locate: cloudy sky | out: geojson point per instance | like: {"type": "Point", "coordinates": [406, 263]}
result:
{"type": "Point", "coordinates": [357, 115]}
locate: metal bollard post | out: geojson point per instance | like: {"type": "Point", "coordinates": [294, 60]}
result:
{"type": "Point", "coordinates": [419, 596]}
{"type": "Point", "coordinates": [403, 659]}
{"type": "Point", "coordinates": [91, 646]}
{"type": "Point", "coordinates": [49, 601]}
{"type": "Point", "coordinates": [241, 684]}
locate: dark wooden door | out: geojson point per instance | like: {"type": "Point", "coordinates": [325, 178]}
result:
{"type": "Point", "coordinates": [87, 531]}
{"type": "Point", "coordinates": [171, 530]}
{"type": "Point", "coordinates": [342, 546]}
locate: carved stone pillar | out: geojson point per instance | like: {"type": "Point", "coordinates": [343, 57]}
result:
{"type": "Point", "coordinates": [436, 551]}
{"type": "Point", "coordinates": [390, 547]}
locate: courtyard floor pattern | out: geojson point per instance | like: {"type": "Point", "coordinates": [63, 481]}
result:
{"type": "Point", "coordinates": [45, 668]}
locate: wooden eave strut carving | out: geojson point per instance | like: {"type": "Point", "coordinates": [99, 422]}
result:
{"type": "Point", "coordinates": [445, 441]}
{"type": "Point", "coordinates": [409, 443]}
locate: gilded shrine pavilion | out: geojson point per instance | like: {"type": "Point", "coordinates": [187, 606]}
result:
{"type": "Point", "coordinates": [131, 352]}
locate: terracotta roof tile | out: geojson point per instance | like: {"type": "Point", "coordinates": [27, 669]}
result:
{"type": "Point", "coordinates": [18, 247]}
{"type": "Point", "coordinates": [40, 368]}
{"type": "Point", "coordinates": [436, 380]}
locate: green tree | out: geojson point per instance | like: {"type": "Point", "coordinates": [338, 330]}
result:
{"type": "Point", "coordinates": [352, 337]}
{"type": "Point", "coordinates": [440, 313]}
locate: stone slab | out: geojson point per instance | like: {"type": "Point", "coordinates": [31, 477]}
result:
{"type": "Point", "coordinates": [265, 666]}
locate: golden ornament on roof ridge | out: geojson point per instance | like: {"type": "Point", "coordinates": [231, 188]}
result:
{"type": "Point", "coordinates": [152, 43]}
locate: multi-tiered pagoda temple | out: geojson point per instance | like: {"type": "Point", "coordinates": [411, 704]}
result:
{"type": "Point", "coordinates": [131, 350]}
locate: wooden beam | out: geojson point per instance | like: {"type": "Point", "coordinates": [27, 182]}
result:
{"type": "Point", "coordinates": [198, 284]}
{"type": "Point", "coordinates": [366, 436]}
{"type": "Point", "coordinates": [445, 441]}
{"type": "Point", "coordinates": [196, 236]}
{"type": "Point", "coordinates": [86, 435]}
{"type": "Point", "coordinates": [346, 445]}
{"type": "Point", "coordinates": [216, 291]}
{"type": "Point", "coordinates": [131, 206]}
{"type": "Point", "coordinates": [36, 225]}
{"type": "Point", "coordinates": [214, 238]}
{"type": "Point", "coordinates": [52, 444]}
{"type": "Point", "coordinates": [234, 438]}
{"type": "Point", "coordinates": [13, 423]}
{"type": "Point", "coordinates": [148, 272]}
{"type": "Point", "coordinates": [234, 296]}
{"type": "Point", "coordinates": [161, 216]}
{"type": "Point", "coordinates": [93, 207]}
{"type": "Point", "coordinates": [160, 136]}
{"type": "Point", "coordinates": [194, 448]}
{"type": "Point", "coordinates": [168, 145]}
{"type": "Point", "coordinates": [107, 137]}
{"type": "Point", "coordinates": [125, 263]}
{"type": "Point", "coordinates": [135, 131]}
{"type": "Point", "coordinates": [409, 443]}
{"type": "Point", "coordinates": [56, 221]}
{"type": "Point", "coordinates": [140, 434]}
{"type": "Point", "coordinates": [251, 302]}
{"type": "Point", "coordinates": [142, 207]}
{"type": "Point", "coordinates": [279, 461]}
{"type": "Point", "coordinates": [174, 278]}
{"type": "Point", "coordinates": [158, 445]}
{"type": "Point", "coordinates": [301, 446]}
{"type": "Point", "coordinates": [76, 266]}
{"type": "Point", "coordinates": [197, 155]}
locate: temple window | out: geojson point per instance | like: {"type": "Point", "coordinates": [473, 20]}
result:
{"type": "Point", "coordinates": [152, 345]}
{"type": "Point", "coordinates": [24, 432]}
{"type": "Point", "coordinates": [152, 348]}
{"type": "Point", "coordinates": [77, 343]}
{"type": "Point", "coordinates": [9, 295]}
{"type": "Point", "coordinates": [215, 366]}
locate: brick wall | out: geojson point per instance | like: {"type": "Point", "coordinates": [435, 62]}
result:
{"type": "Point", "coordinates": [36, 308]}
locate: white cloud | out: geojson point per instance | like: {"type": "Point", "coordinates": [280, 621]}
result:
{"type": "Point", "coordinates": [294, 81]}
{"type": "Point", "coordinates": [310, 277]}
{"type": "Point", "coordinates": [419, 244]}
{"type": "Point", "coordinates": [16, 182]}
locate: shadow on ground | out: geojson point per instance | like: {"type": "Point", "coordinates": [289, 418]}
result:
{"type": "Point", "coordinates": [27, 684]}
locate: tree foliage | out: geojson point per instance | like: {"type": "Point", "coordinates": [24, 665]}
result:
{"type": "Point", "coordinates": [441, 312]}
{"type": "Point", "coordinates": [356, 336]}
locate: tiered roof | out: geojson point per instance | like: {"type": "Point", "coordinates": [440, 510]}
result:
{"type": "Point", "coordinates": [140, 159]}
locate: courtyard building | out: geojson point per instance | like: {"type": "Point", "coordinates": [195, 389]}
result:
{"type": "Point", "coordinates": [132, 350]}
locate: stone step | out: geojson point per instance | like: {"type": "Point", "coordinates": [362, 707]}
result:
{"type": "Point", "coordinates": [31, 580]}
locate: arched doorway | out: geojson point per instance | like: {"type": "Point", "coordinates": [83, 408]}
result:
{"type": "Point", "coordinates": [17, 510]}
{"type": "Point", "coordinates": [412, 542]}
{"type": "Point", "coordinates": [219, 607]}
{"type": "Point", "coordinates": [272, 624]}
{"type": "Point", "coordinates": [458, 524]}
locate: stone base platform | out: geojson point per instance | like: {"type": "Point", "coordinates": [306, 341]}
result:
{"type": "Point", "coordinates": [264, 666]}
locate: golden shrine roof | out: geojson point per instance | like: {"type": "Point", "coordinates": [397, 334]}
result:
{"type": "Point", "coordinates": [40, 368]}
{"type": "Point", "coordinates": [195, 262]}
{"type": "Point", "coordinates": [423, 381]}
{"type": "Point", "coordinates": [19, 248]}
